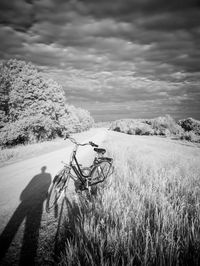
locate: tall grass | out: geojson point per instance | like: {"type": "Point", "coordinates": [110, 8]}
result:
{"type": "Point", "coordinates": [148, 213]}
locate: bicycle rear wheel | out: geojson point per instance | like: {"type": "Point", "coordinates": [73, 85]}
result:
{"type": "Point", "coordinates": [59, 183]}
{"type": "Point", "coordinates": [100, 172]}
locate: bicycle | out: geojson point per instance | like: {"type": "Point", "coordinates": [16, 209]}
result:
{"type": "Point", "coordinates": [85, 178]}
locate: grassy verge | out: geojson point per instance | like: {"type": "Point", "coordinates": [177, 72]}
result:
{"type": "Point", "coordinates": [148, 212]}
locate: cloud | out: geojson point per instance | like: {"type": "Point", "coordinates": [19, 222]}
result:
{"type": "Point", "coordinates": [138, 54]}
{"type": "Point", "coordinates": [115, 86]}
{"type": "Point", "coordinates": [11, 42]}
{"type": "Point", "coordinates": [17, 13]}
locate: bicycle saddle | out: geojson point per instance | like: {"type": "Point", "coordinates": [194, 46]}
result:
{"type": "Point", "coordinates": [106, 159]}
{"type": "Point", "coordinates": [98, 150]}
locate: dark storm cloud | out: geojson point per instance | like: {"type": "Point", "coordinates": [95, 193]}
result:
{"type": "Point", "coordinates": [124, 8]}
{"type": "Point", "coordinates": [11, 42]}
{"type": "Point", "coordinates": [17, 13]}
{"type": "Point", "coordinates": [110, 51]}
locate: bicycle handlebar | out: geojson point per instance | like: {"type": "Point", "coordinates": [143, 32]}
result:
{"type": "Point", "coordinates": [93, 144]}
{"type": "Point", "coordinates": [67, 136]}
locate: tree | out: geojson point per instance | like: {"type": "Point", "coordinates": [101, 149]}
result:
{"type": "Point", "coordinates": [79, 119]}
{"type": "Point", "coordinates": [27, 96]}
{"type": "Point", "coordinates": [4, 94]}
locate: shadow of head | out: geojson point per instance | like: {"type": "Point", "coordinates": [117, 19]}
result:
{"type": "Point", "coordinates": [43, 169]}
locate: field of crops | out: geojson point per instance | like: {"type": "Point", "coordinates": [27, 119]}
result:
{"type": "Point", "coordinates": [148, 212]}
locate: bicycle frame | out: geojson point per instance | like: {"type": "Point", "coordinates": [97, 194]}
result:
{"type": "Point", "coordinates": [96, 174]}
{"type": "Point", "coordinates": [76, 166]}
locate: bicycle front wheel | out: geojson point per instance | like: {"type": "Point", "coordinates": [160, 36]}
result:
{"type": "Point", "coordinates": [59, 183]}
{"type": "Point", "coordinates": [100, 172]}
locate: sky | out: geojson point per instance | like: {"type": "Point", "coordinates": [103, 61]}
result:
{"type": "Point", "coordinates": [116, 58]}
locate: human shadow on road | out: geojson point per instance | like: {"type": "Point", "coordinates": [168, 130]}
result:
{"type": "Point", "coordinates": [30, 209]}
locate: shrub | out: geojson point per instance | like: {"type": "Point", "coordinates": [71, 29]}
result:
{"type": "Point", "coordinates": [164, 126]}
{"type": "Point", "coordinates": [190, 124]}
{"type": "Point", "coordinates": [145, 129]}
{"type": "Point", "coordinates": [190, 136]}
{"type": "Point", "coordinates": [29, 130]}
{"type": "Point", "coordinates": [140, 129]}
{"type": "Point", "coordinates": [78, 119]}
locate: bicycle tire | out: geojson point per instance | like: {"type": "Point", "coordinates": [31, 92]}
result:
{"type": "Point", "coordinates": [56, 189]}
{"type": "Point", "coordinates": [100, 172]}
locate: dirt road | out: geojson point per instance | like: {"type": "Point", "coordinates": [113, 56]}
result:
{"type": "Point", "coordinates": [24, 226]}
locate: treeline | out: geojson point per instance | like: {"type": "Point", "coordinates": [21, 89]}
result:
{"type": "Point", "coordinates": [185, 129]}
{"type": "Point", "coordinates": [105, 124]}
{"type": "Point", "coordinates": [33, 108]}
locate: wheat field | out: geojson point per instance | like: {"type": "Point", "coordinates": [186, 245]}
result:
{"type": "Point", "coordinates": [147, 213]}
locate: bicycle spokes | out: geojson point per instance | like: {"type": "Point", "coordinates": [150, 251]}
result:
{"type": "Point", "coordinates": [104, 170]}
{"type": "Point", "coordinates": [100, 173]}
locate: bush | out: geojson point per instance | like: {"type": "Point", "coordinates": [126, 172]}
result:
{"type": "Point", "coordinates": [140, 129]}
{"type": "Point", "coordinates": [78, 119]}
{"type": "Point", "coordinates": [132, 127]}
{"type": "Point", "coordinates": [145, 129]}
{"type": "Point", "coordinates": [29, 130]}
{"type": "Point", "coordinates": [190, 124]}
{"type": "Point", "coordinates": [190, 136]}
{"type": "Point", "coordinates": [164, 126]}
